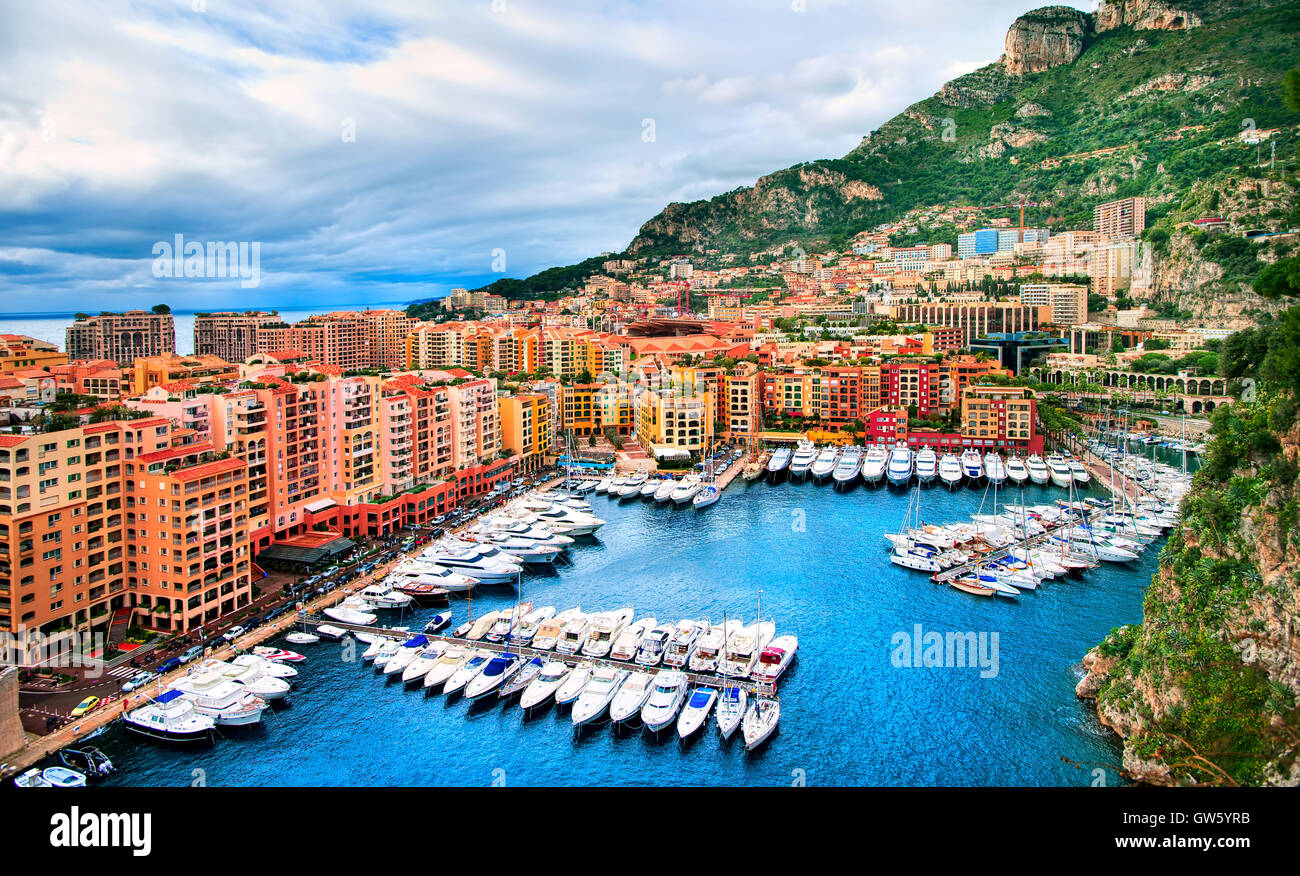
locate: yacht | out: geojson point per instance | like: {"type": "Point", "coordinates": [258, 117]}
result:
{"type": "Point", "coordinates": [709, 649]}
{"type": "Point", "coordinates": [574, 634]}
{"type": "Point", "coordinates": [522, 679]}
{"type": "Point", "coordinates": [347, 615]}
{"type": "Point", "coordinates": [686, 489]}
{"type": "Point", "coordinates": [1059, 471]}
{"type": "Point", "coordinates": [950, 470]}
{"type": "Point", "coordinates": [549, 632]}
{"type": "Point", "coordinates": [231, 704]}
{"type": "Point", "coordinates": [630, 639]}
{"type": "Point", "coordinates": [779, 461]}
{"type": "Point", "coordinates": [683, 640]}
{"type": "Point", "coordinates": [494, 673]}
{"type": "Point", "coordinates": [824, 465]}
{"type": "Point", "coordinates": [445, 666]}
{"type": "Point", "coordinates": [1079, 471]}
{"type": "Point", "coordinates": [666, 696]}
{"type": "Point", "coordinates": [632, 486]}
{"type": "Point", "coordinates": [523, 530]}
{"type": "Point", "coordinates": [605, 628]}
{"type": "Point", "coordinates": [899, 470]}
{"type": "Point", "coordinates": [543, 687]}
{"type": "Point", "coordinates": [531, 624]}
{"type": "Point", "coordinates": [527, 551]}
{"type": "Point", "coordinates": [467, 671]}
{"type": "Point", "coordinates": [708, 495]}
{"type": "Point", "coordinates": [265, 665]}
{"type": "Point", "coordinates": [382, 595]}
{"type": "Point", "coordinates": [597, 695]}
{"type": "Point", "coordinates": [653, 645]}
{"type": "Point", "coordinates": [252, 678]}
{"type": "Point", "coordinates": [873, 464]}
{"type": "Point", "coordinates": [695, 714]}
{"type": "Point", "coordinates": [649, 488]}
{"type": "Point", "coordinates": [572, 686]}
{"type": "Point", "coordinates": [476, 630]}
{"type": "Point", "coordinates": [849, 466]}
{"type": "Point", "coordinates": [972, 468]}
{"type": "Point", "coordinates": [743, 648]}
{"type": "Point", "coordinates": [1037, 469]}
{"type": "Point", "coordinates": [760, 721]}
{"type": "Point", "coordinates": [488, 570]}
{"type": "Point", "coordinates": [170, 718]}
{"type": "Point", "coordinates": [506, 622]}
{"type": "Point", "coordinates": [994, 469]}
{"type": "Point", "coordinates": [803, 458]}
{"type": "Point", "coordinates": [603, 485]}
{"type": "Point", "coordinates": [927, 465]}
{"type": "Point", "coordinates": [416, 576]}
{"type": "Point", "coordinates": [406, 654]}
{"type": "Point", "coordinates": [570, 520]}
{"type": "Point", "coordinates": [664, 491]}
{"type": "Point", "coordinates": [420, 665]}
{"type": "Point", "coordinates": [1016, 470]}
{"type": "Point", "coordinates": [631, 697]}
{"type": "Point", "coordinates": [732, 704]}
{"type": "Point", "coordinates": [776, 658]}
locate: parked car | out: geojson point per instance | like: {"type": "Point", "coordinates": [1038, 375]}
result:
{"type": "Point", "coordinates": [83, 707]}
{"type": "Point", "coordinates": [137, 681]}
{"type": "Point", "coordinates": [169, 665]}
{"type": "Point", "coordinates": [191, 654]}
{"type": "Point", "coordinates": [233, 633]}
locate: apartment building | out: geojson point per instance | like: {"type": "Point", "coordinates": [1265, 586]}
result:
{"type": "Point", "coordinates": [672, 422]}
{"type": "Point", "coordinates": [100, 378]}
{"type": "Point", "coordinates": [1068, 302]}
{"type": "Point", "coordinates": [588, 408]}
{"type": "Point", "coordinates": [19, 352]}
{"type": "Point", "coordinates": [229, 335]}
{"type": "Point", "coordinates": [150, 371]}
{"type": "Point", "coordinates": [526, 428]}
{"type": "Point", "coordinates": [121, 337]}
{"type": "Point", "coordinates": [972, 318]}
{"type": "Point", "coordinates": [741, 395]}
{"type": "Point", "coordinates": [1000, 417]}
{"type": "Point", "coordinates": [1117, 220]}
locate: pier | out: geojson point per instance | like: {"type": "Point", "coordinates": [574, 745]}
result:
{"type": "Point", "coordinates": [693, 678]}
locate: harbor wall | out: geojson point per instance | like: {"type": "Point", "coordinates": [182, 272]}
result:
{"type": "Point", "coordinates": [12, 738]}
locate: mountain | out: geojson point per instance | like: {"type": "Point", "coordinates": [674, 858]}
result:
{"type": "Point", "coordinates": [1141, 97]}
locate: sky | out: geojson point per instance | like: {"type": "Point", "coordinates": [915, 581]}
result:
{"type": "Point", "coordinates": [391, 150]}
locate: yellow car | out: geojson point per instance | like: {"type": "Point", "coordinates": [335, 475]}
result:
{"type": "Point", "coordinates": [84, 706]}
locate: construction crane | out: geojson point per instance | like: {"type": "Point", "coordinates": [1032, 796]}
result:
{"type": "Point", "coordinates": [1022, 204]}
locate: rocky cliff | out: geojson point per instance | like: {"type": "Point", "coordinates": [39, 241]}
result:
{"type": "Point", "coordinates": [1142, 15]}
{"type": "Point", "coordinates": [1043, 39]}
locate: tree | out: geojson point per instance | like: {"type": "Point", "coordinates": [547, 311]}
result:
{"type": "Point", "coordinates": [1281, 364]}
{"type": "Point", "coordinates": [1155, 344]}
{"type": "Point", "coordinates": [161, 308]}
{"type": "Point", "coordinates": [1280, 278]}
{"type": "Point", "coordinates": [1291, 89]}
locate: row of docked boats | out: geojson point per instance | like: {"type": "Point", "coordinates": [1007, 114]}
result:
{"type": "Point", "coordinates": [690, 489]}
{"type": "Point", "coordinates": [900, 464]}
{"type": "Point", "coordinates": [216, 693]}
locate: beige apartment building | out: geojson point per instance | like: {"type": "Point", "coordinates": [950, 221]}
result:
{"type": "Point", "coordinates": [121, 337]}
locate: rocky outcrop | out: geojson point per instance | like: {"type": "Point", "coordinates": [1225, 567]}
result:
{"type": "Point", "coordinates": [1044, 38]}
{"type": "Point", "coordinates": [1033, 111]}
{"type": "Point", "coordinates": [1143, 15]}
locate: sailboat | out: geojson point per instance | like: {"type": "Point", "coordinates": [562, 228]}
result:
{"type": "Point", "coordinates": [709, 492]}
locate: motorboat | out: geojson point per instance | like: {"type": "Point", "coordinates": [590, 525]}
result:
{"type": "Point", "coordinates": [568, 521]}
{"type": "Point", "coordinates": [743, 648]}
{"type": "Point", "coordinates": [950, 470]}
{"type": "Point", "coordinates": [649, 488]}
{"type": "Point", "coordinates": [420, 577]}
{"type": "Point", "coordinates": [696, 711]}
{"type": "Point", "coordinates": [527, 551]}
{"type": "Point", "coordinates": [298, 637]}
{"type": "Point", "coordinates": [88, 760]}
{"type": "Point", "coordinates": [479, 628]}
{"type": "Point", "coordinates": [1079, 471]}
{"type": "Point", "coordinates": [632, 486]}
{"type": "Point", "coordinates": [383, 650]}
{"type": "Point", "coordinates": [779, 461]}
{"type": "Point", "coordinates": [775, 658]}
{"type": "Point", "coordinates": [424, 661]}
{"type": "Point", "coordinates": [972, 466]}
{"type": "Point", "coordinates": [760, 721]}
{"type": "Point", "coordinates": [804, 456]}
{"type": "Point", "coordinates": [530, 624]}
{"type": "Point", "coordinates": [522, 529]}
{"type": "Point", "coordinates": [631, 697]}
{"type": "Point", "coordinates": [63, 777]}
{"type": "Point", "coordinates": [467, 671]}
{"type": "Point", "coordinates": [1059, 471]}
{"type": "Point", "coordinates": [686, 489]}
{"type": "Point", "coordinates": [497, 670]}
{"type": "Point", "coordinates": [445, 666]}
{"type": "Point", "coordinates": [171, 717]}
{"type": "Point", "coordinates": [653, 645]}
{"type": "Point", "coordinates": [927, 465]}
{"type": "Point", "coordinates": [664, 491]}
{"type": "Point", "coordinates": [543, 687]}
{"type": "Point", "coordinates": [709, 648]}
{"type": "Point", "coordinates": [708, 495]}
{"type": "Point", "coordinates": [549, 632]}
{"type": "Point", "coordinates": [598, 694]}
{"type": "Point", "coordinates": [571, 688]}
{"type": "Point", "coordinates": [849, 466]}
{"type": "Point", "coordinates": [732, 704]}
{"type": "Point", "coordinates": [249, 677]}
{"type": "Point", "coordinates": [1016, 470]}
{"type": "Point", "coordinates": [231, 704]}
{"type": "Point", "coordinates": [521, 678]}
{"type": "Point", "coordinates": [406, 654]}
{"type": "Point", "coordinates": [1037, 469]}
{"type": "Point", "coordinates": [625, 646]}
{"type": "Point", "coordinates": [31, 779]}
{"type": "Point", "coordinates": [574, 634]}
{"type": "Point", "coordinates": [604, 629]}
{"type": "Point", "coordinates": [506, 622]}
{"type": "Point", "coordinates": [602, 485]}
{"type": "Point", "coordinates": [438, 621]}
{"type": "Point", "coordinates": [899, 469]}
{"type": "Point", "coordinates": [488, 570]}
{"type": "Point", "coordinates": [329, 631]}
{"type": "Point", "coordinates": [270, 668]}
{"type": "Point", "coordinates": [375, 645]}
{"type": "Point", "coordinates": [915, 557]}
{"type": "Point", "coordinates": [382, 595]}
{"type": "Point", "coordinates": [278, 655]}
{"type": "Point", "coordinates": [994, 469]}
{"type": "Point", "coordinates": [873, 464]}
{"type": "Point", "coordinates": [823, 465]}
{"type": "Point", "coordinates": [347, 615]}
{"type": "Point", "coordinates": [666, 696]}
{"type": "Point", "coordinates": [682, 643]}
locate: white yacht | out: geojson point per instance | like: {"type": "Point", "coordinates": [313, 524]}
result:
{"type": "Point", "coordinates": [1016, 470]}
{"type": "Point", "coordinates": [420, 665]}
{"type": "Point", "coordinates": [709, 648]}
{"type": "Point", "coordinates": [632, 486]}
{"type": "Point", "coordinates": [382, 595]}
{"type": "Point", "coordinates": [406, 655]}
{"type": "Point", "coordinates": [574, 634]}
{"type": "Point", "coordinates": [495, 672]}
{"type": "Point", "coordinates": [732, 704]}
{"type": "Point", "coordinates": [760, 721]}
{"type": "Point", "coordinates": [743, 648]}
{"type": "Point", "coordinates": [419, 573]}
{"type": "Point", "coordinates": [776, 658]}
{"type": "Point", "coordinates": [666, 696]}
{"type": "Point", "coordinates": [803, 458]}
{"type": "Point", "coordinates": [823, 465]}
{"type": "Point", "coordinates": [598, 694]}
{"type": "Point", "coordinates": [571, 688]}
{"type": "Point", "coordinates": [531, 624]}
{"type": "Point", "coordinates": [873, 464]}
{"type": "Point", "coordinates": [950, 470]}
{"type": "Point", "coordinates": [1079, 471]}
{"type": "Point", "coordinates": [682, 643]}
{"type": "Point", "coordinates": [507, 621]}
{"type": "Point", "coordinates": [664, 491]}
{"type": "Point", "coordinates": [522, 678]}
{"type": "Point", "coordinates": [214, 695]}
{"type": "Point", "coordinates": [1059, 471]}
{"type": "Point", "coordinates": [345, 614]}
{"type": "Point", "coordinates": [654, 644]}
{"type": "Point", "coordinates": [686, 489]}
{"type": "Point", "coordinates": [927, 465]}
{"type": "Point", "coordinates": [994, 469]}
{"type": "Point", "coordinates": [486, 569]}
{"type": "Point", "coordinates": [779, 461]}
{"type": "Point", "coordinates": [266, 667]}
{"type": "Point", "coordinates": [252, 678]}
{"type": "Point", "coordinates": [849, 466]}
{"type": "Point", "coordinates": [522, 529]}
{"type": "Point", "coordinates": [631, 697]}
{"type": "Point", "coordinates": [543, 687]}
{"type": "Point", "coordinates": [1037, 469]}
{"type": "Point", "coordinates": [170, 718]}
{"type": "Point", "coordinates": [899, 470]}
{"type": "Point", "coordinates": [695, 714]}
{"type": "Point", "coordinates": [630, 639]}
{"type": "Point", "coordinates": [649, 488]}
{"type": "Point", "coordinates": [467, 671]}
{"type": "Point", "coordinates": [972, 466]}
{"type": "Point", "coordinates": [445, 666]}
{"type": "Point", "coordinates": [569, 520]}
{"type": "Point", "coordinates": [528, 551]}
{"type": "Point", "coordinates": [604, 629]}
{"type": "Point", "coordinates": [549, 632]}
{"type": "Point", "coordinates": [708, 495]}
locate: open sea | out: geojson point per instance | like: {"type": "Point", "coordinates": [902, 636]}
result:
{"type": "Point", "coordinates": [848, 717]}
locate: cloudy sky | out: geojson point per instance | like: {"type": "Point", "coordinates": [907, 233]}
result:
{"type": "Point", "coordinates": [389, 150]}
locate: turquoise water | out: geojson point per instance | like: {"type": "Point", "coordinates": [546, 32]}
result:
{"type": "Point", "coordinates": [849, 717]}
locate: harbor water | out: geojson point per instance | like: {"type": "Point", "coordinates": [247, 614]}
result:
{"type": "Point", "coordinates": [849, 714]}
